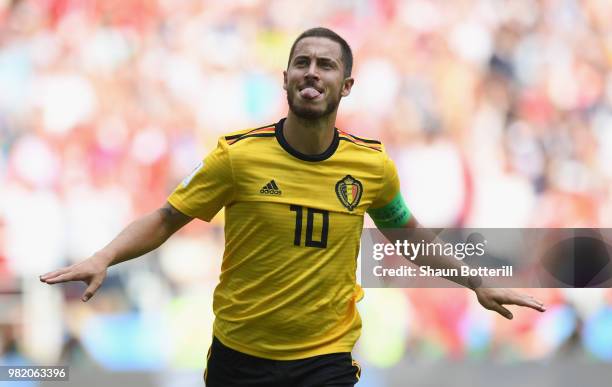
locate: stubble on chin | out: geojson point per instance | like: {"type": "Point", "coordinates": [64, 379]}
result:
{"type": "Point", "coordinates": [310, 114]}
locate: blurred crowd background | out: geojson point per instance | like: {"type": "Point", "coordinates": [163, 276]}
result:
{"type": "Point", "coordinates": [498, 113]}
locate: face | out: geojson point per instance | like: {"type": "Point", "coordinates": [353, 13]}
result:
{"type": "Point", "coordinates": [314, 80]}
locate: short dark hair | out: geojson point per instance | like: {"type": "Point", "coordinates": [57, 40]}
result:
{"type": "Point", "coordinates": [322, 32]}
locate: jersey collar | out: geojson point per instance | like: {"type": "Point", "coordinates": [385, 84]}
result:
{"type": "Point", "coordinates": [320, 157]}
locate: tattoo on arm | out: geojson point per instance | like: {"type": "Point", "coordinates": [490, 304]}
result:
{"type": "Point", "coordinates": [173, 217]}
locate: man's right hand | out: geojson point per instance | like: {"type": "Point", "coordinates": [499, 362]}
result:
{"type": "Point", "coordinates": [138, 238]}
{"type": "Point", "coordinates": [92, 271]}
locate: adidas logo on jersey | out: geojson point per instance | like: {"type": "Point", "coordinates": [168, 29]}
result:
{"type": "Point", "coordinates": [270, 189]}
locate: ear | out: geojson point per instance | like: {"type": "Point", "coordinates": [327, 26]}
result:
{"type": "Point", "coordinates": [285, 79]}
{"type": "Point", "coordinates": [346, 86]}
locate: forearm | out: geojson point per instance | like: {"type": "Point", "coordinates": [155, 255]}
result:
{"type": "Point", "coordinates": [444, 261]}
{"type": "Point", "coordinates": [138, 238]}
{"type": "Point", "coordinates": [413, 231]}
{"type": "Point", "coordinates": [142, 236]}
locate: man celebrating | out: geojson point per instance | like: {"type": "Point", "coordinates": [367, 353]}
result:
{"type": "Point", "coordinates": [295, 194]}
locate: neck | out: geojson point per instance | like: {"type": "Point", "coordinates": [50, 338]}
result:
{"type": "Point", "coordinates": [309, 136]}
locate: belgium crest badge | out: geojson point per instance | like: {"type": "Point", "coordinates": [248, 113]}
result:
{"type": "Point", "coordinates": [349, 190]}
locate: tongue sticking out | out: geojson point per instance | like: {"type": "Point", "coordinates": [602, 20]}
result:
{"type": "Point", "coordinates": [309, 93]}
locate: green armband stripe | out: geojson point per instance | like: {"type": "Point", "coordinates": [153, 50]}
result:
{"type": "Point", "coordinates": [394, 215]}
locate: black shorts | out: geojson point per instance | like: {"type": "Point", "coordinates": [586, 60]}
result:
{"type": "Point", "coordinates": [228, 368]}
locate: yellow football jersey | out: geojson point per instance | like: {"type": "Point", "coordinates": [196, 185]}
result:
{"type": "Point", "coordinates": [293, 224]}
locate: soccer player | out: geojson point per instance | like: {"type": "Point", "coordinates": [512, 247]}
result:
{"type": "Point", "coordinates": [295, 193]}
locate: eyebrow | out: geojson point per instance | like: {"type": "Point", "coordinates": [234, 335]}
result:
{"type": "Point", "coordinates": [319, 59]}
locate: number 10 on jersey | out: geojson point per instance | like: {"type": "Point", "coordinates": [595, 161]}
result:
{"type": "Point", "coordinates": [322, 216]}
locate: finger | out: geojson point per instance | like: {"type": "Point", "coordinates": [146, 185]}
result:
{"type": "Point", "coordinates": [70, 276]}
{"type": "Point", "coordinates": [55, 273]}
{"type": "Point", "coordinates": [526, 301]}
{"type": "Point", "coordinates": [533, 304]}
{"type": "Point", "coordinates": [501, 310]}
{"type": "Point", "coordinates": [91, 290]}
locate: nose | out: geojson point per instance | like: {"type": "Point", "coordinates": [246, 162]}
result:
{"type": "Point", "coordinates": [312, 70]}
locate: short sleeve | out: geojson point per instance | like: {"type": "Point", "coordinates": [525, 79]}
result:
{"type": "Point", "coordinates": [390, 185]}
{"type": "Point", "coordinates": [208, 188]}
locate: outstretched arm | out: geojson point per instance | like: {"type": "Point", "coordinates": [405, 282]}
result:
{"type": "Point", "coordinates": [490, 298]}
{"type": "Point", "coordinates": [138, 238]}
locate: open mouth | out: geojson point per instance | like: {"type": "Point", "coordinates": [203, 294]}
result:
{"type": "Point", "coordinates": [310, 92]}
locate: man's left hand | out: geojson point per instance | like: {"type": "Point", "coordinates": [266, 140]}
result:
{"type": "Point", "coordinates": [493, 299]}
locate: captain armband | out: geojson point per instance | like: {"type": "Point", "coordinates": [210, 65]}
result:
{"type": "Point", "coordinates": [394, 215]}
